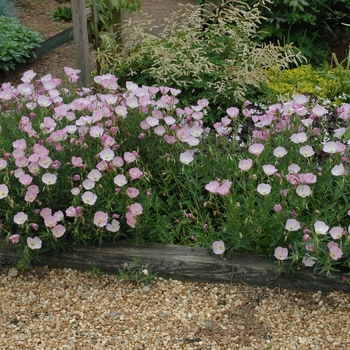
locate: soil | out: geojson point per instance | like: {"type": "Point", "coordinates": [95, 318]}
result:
{"type": "Point", "coordinates": [37, 15]}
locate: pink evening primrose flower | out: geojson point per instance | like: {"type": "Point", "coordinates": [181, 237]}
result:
{"type": "Point", "coordinates": [309, 261]}
{"type": "Point", "coordinates": [306, 151]}
{"type": "Point", "coordinates": [114, 226]}
{"type": "Point", "coordinates": [335, 251]}
{"type": "Point", "coordinates": [303, 191]}
{"type": "Point", "coordinates": [277, 208]}
{"type": "Point", "coordinates": [135, 173]}
{"type": "Point", "coordinates": [245, 164]}
{"type": "Point", "coordinates": [321, 228]}
{"type": "Point", "coordinates": [279, 152]}
{"type": "Point", "coordinates": [58, 231]}
{"type": "Point", "coordinates": [339, 170]}
{"type": "Point", "coordinates": [292, 225]}
{"type": "Point", "coordinates": [256, 148]}
{"type": "Point", "coordinates": [129, 157]}
{"type": "Point", "coordinates": [100, 219]}
{"type": "Point", "coordinates": [281, 253]}
{"type": "Point", "coordinates": [34, 243]}
{"type": "Point", "coordinates": [89, 198]}
{"type": "Point", "coordinates": [269, 169]}
{"type": "Point", "coordinates": [120, 180]}
{"type": "Point", "coordinates": [4, 191]}
{"type": "Point", "coordinates": [212, 186]}
{"type": "Point", "coordinates": [20, 218]}
{"type": "Point", "coordinates": [49, 179]}
{"type": "Point", "coordinates": [264, 189]}
{"type": "Point", "coordinates": [224, 188]}
{"type": "Point", "coordinates": [336, 232]}
{"type": "Point", "coordinates": [218, 247]}
{"type": "Point", "coordinates": [14, 238]}
{"type": "Point", "coordinates": [186, 157]}
{"type": "Point", "coordinates": [136, 209]}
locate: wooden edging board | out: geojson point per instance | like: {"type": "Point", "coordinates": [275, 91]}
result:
{"type": "Point", "coordinates": [184, 263]}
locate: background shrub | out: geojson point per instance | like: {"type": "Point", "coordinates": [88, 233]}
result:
{"type": "Point", "coordinates": [17, 43]}
{"type": "Point", "coordinates": [311, 25]}
{"type": "Point", "coordinates": [222, 63]}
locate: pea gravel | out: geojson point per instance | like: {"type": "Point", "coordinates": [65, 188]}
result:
{"type": "Point", "coordinates": [61, 309]}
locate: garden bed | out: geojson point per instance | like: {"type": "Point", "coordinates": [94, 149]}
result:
{"type": "Point", "coordinates": [183, 263]}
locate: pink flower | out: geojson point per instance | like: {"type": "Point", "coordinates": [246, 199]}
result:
{"type": "Point", "coordinates": [58, 231]}
{"type": "Point", "coordinates": [256, 148]}
{"type": "Point", "coordinates": [132, 192]}
{"type": "Point", "coordinates": [50, 221]}
{"type": "Point", "coordinates": [299, 138]}
{"type": "Point", "coordinates": [129, 157]}
{"type": "Point", "coordinates": [25, 179]}
{"type": "Point", "coordinates": [45, 212]}
{"type": "Point", "coordinates": [292, 225]}
{"type": "Point", "coordinates": [303, 191]}
{"type": "Point", "coordinates": [279, 152]}
{"type": "Point", "coordinates": [224, 188]}
{"type": "Point", "coordinates": [186, 157]}
{"type": "Point", "coordinates": [114, 226]}
{"type": "Point", "coordinates": [77, 161]}
{"type": "Point", "coordinates": [212, 186]}
{"type": "Point", "coordinates": [330, 147]}
{"type": "Point", "coordinates": [245, 164]}
{"type": "Point", "coordinates": [336, 232]}
{"type": "Point", "coordinates": [4, 191]}
{"type": "Point", "coordinates": [20, 218]}
{"type": "Point", "coordinates": [319, 111]}
{"type": "Point", "coordinates": [335, 252]}
{"type": "Point", "coordinates": [135, 173]}
{"type": "Point", "coordinates": [120, 180]}
{"type": "Point", "coordinates": [264, 189]}
{"type": "Point", "coordinates": [88, 184]}
{"type": "Point", "coordinates": [269, 169]}
{"type": "Point", "coordinates": [118, 162]}
{"type": "Point", "coordinates": [232, 112]}
{"type": "Point", "coordinates": [136, 209]}
{"type": "Point", "coordinates": [339, 170]}
{"type": "Point", "coordinates": [14, 238]}
{"type": "Point", "coordinates": [100, 219]}
{"type": "Point", "coordinates": [320, 228]}
{"type": "Point", "coordinates": [107, 155]}
{"type": "Point", "coordinates": [49, 179]}
{"type": "Point", "coordinates": [309, 261]}
{"type": "Point", "coordinates": [307, 178]}
{"type": "Point", "coordinates": [34, 243]}
{"type": "Point", "coordinates": [281, 253]}
{"type": "Point", "coordinates": [309, 247]}
{"type": "Point", "coordinates": [131, 219]}
{"type": "Point", "coordinates": [89, 198]}
{"type": "Point", "coordinates": [306, 151]}
{"type": "Point", "coordinates": [277, 208]}
{"type": "Point", "coordinates": [218, 247]}
{"type": "Point", "coordinates": [71, 212]}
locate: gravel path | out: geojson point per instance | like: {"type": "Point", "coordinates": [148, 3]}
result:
{"type": "Point", "coordinates": [68, 309]}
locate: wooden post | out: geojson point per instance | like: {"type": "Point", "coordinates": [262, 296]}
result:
{"type": "Point", "coordinates": [81, 42]}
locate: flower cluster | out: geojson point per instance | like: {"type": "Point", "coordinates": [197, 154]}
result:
{"type": "Point", "coordinates": [97, 164]}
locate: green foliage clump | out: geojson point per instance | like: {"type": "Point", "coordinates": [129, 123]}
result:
{"type": "Point", "coordinates": [137, 273]}
{"type": "Point", "coordinates": [220, 61]}
{"type": "Point", "coordinates": [310, 24]}
{"type": "Point", "coordinates": [323, 84]}
{"type": "Point", "coordinates": [17, 43]}
{"type": "Point", "coordinates": [62, 14]}
{"type": "Point", "coordinates": [8, 8]}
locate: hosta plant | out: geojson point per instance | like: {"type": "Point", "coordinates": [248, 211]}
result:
{"type": "Point", "coordinates": [17, 43]}
{"type": "Point", "coordinates": [131, 161]}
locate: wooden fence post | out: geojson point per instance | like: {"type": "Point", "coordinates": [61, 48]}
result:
{"type": "Point", "coordinates": [81, 42]}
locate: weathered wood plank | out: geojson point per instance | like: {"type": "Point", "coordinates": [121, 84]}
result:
{"type": "Point", "coordinates": [179, 262]}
